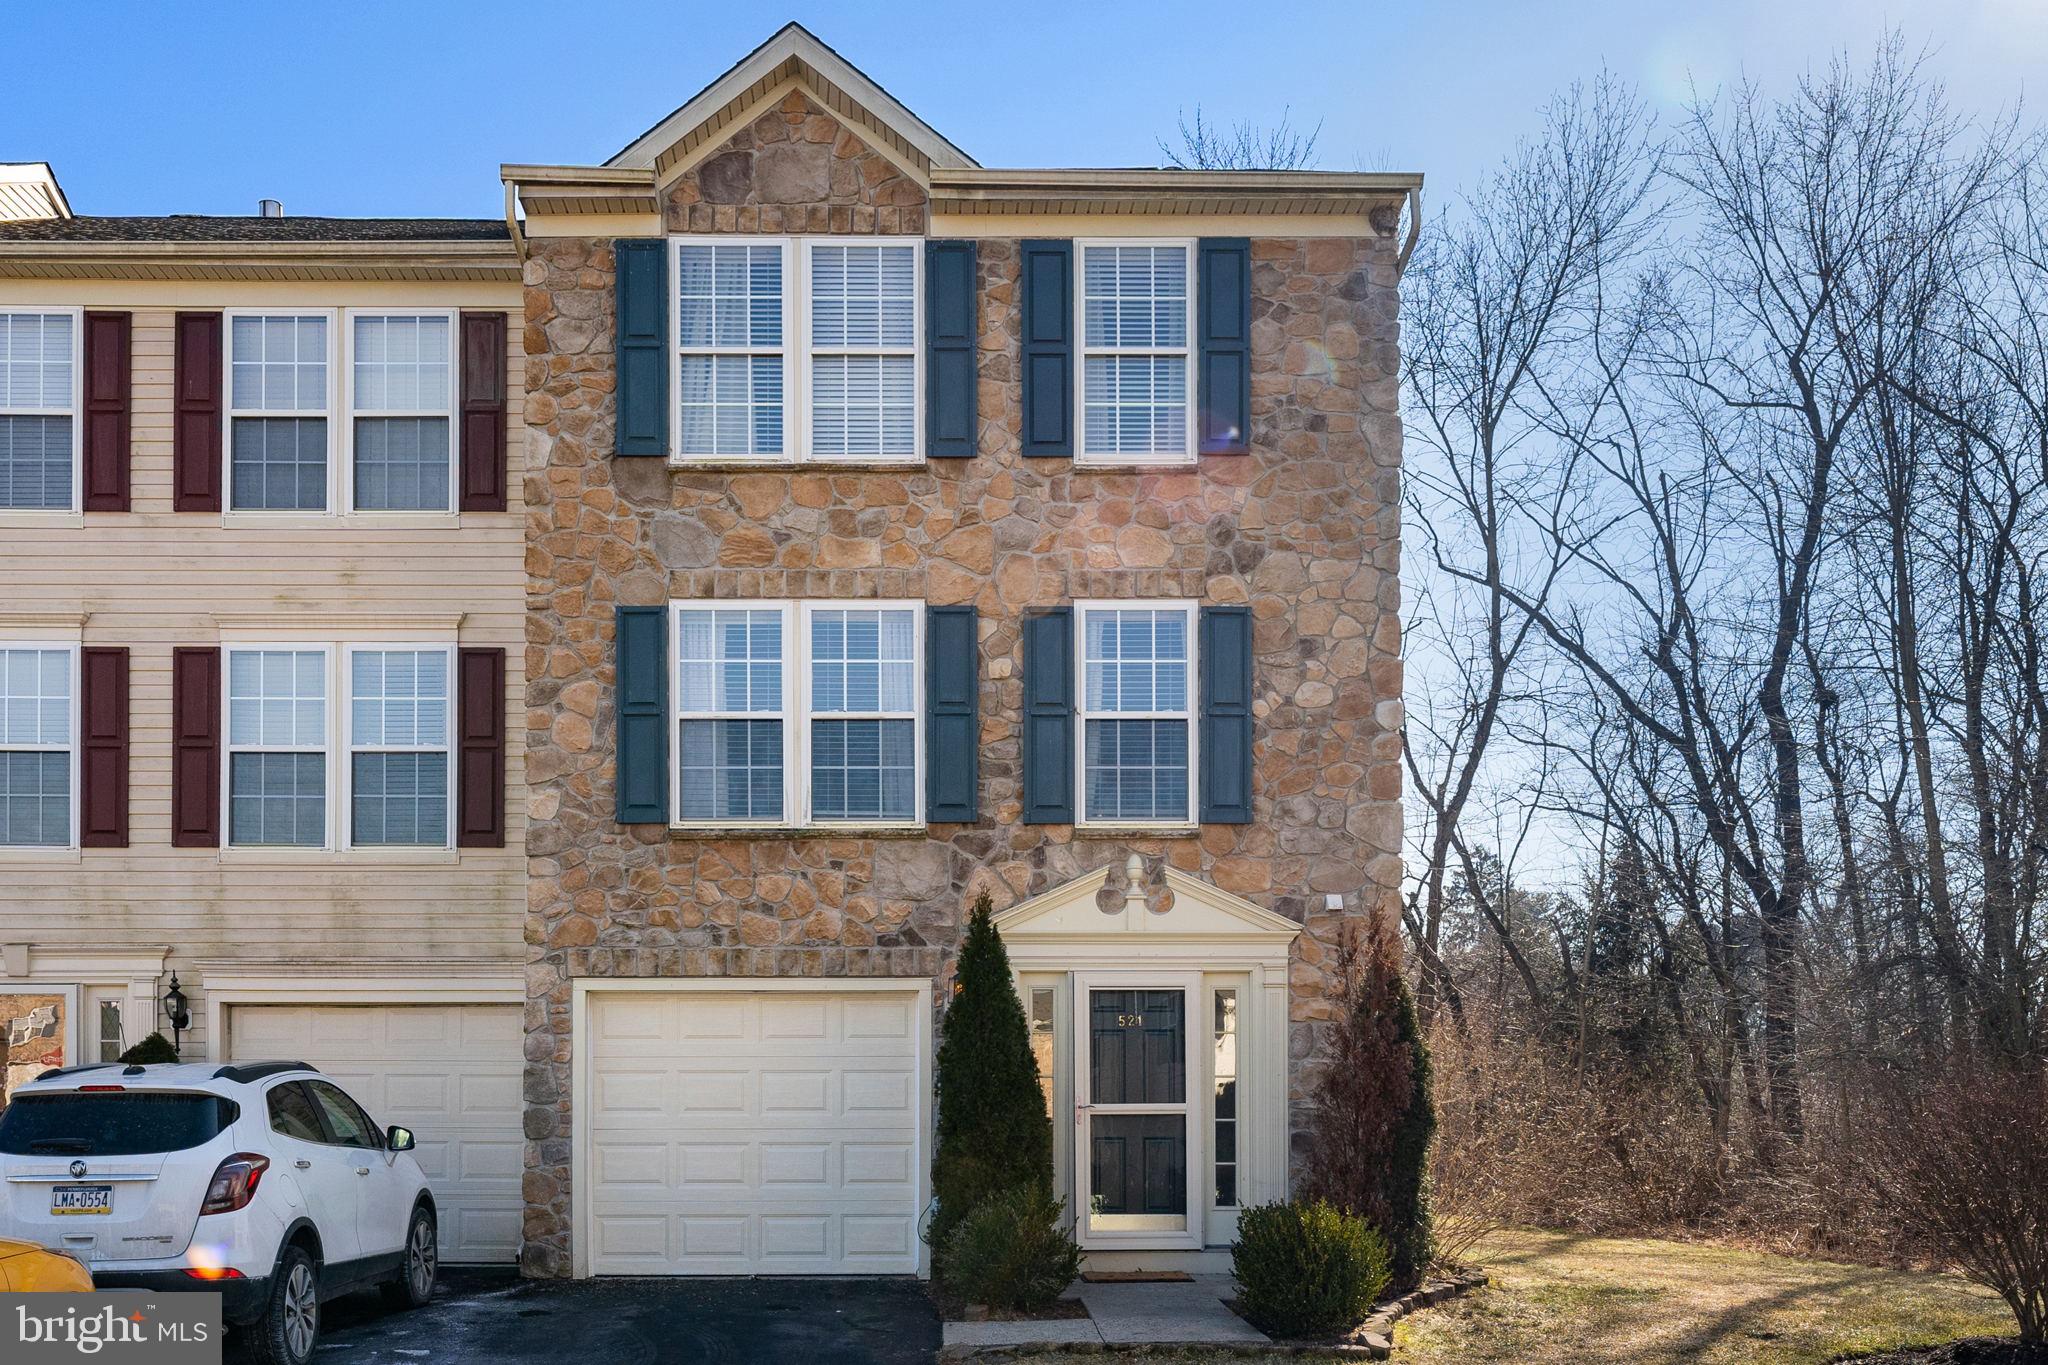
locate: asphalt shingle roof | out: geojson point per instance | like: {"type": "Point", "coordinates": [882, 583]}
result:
{"type": "Point", "coordinates": [192, 227]}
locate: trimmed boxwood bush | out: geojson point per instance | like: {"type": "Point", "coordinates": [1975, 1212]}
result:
{"type": "Point", "coordinates": [1307, 1269]}
{"type": "Point", "coordinates": [1012, 1251]}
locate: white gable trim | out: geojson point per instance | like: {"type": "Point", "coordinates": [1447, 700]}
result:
{"type": "Point", "coordinates": [796, 48]}
{"type": "Point", "coordinates": [1205, 925]}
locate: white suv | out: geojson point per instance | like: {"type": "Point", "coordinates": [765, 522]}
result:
{"type": "Point", "coordinates": [262, 1181]}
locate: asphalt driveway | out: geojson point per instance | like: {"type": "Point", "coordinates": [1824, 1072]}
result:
{"type": "Point", "coordinates": [493, 1318]}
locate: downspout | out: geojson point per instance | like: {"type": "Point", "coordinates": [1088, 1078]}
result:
{"type": "Point", "coordinates": [512, 220]}
{"type": "Point", "coordinates": [1414, 231]}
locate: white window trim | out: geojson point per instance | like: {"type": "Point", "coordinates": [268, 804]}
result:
{"type": "Point", "coordinates": [337, 745]}
{"type": "Point", "coordinates": [796, 714]}
{"type": "Point", "coordinates": [453, 412]}
{"type": "Point", "coordinates": [1083, 455]}
{"type": "Point", "coordinates": [351, 747]}
{"type": "Point", "coordinates": [70, 648]}
{"type": "Point", "coordinates": [796, 350]}
{"type": "Point", "coordinates": [76, 412]}
{"type": "Point", "coordinates": [1082, 715]}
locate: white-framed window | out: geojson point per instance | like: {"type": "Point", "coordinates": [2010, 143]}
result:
{"type": "Point", "coordinates": [1135, 303]}
{"type": "Point", "coordinates": [38, 748]}
{"type": "Point", "coordinates": [41, 372]}
{"type": "Point", "coordinates": [798, 348]}
{"type": "Point", "coordinates": [339, 746]}
{"type": "Point", "coordinates": [798, 713]}
{"type": "Point", "coordinates": [1223, 1103]}
{"type": "Point", "coordinates": [1137, 735]}
{"type": "Point", "coordinates": [280, 439]}
{"type": "Point", "coordinates": [398, 724]}
{"type": "Point", "coordinates": [402, 400]}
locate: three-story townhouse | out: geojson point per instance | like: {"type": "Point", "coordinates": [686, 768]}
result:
{"type": "Point", "coordinates": [261, 617]}
{"type": "Point", "coordinates": [902, 530]}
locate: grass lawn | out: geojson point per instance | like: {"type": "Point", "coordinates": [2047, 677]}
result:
{"type": "Point", "coordinates": [1559, 1298]}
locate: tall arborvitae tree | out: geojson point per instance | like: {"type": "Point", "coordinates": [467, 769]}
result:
{"type": "Point", "coordinates": [994, 1133]}
{"type": "Point", "coordinates": [1374, 1113]}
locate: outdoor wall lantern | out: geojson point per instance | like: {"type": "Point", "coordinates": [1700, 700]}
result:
{"type": "Point", "coordinates": [176, 1011]}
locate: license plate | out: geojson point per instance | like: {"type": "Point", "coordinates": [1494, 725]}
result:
{"type": "Point", "coordinates": [66, 1199]}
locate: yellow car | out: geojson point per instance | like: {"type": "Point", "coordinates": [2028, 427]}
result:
{"type": "Point", "coordinates": [27, 1268]}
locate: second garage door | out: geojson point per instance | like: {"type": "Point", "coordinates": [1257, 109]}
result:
{"type": "Point", "coordinates": [754, 1133]}
{"type": "Point", "coordinates": [448, 1072]}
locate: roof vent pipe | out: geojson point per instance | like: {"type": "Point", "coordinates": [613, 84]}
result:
{"type": "Point", "coordinates": [269, 208]}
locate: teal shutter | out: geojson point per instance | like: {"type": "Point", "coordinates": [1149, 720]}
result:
{"type": "Point", "coordinates": [641, 693]}
{"type": "Point", "coordinates": [1049, 717]}
{"type": "Point", "coordinates": [1047, 285]}
{"type": "Point", "coordinates": [642, 345]}
{"type": "Point", "coordinates": [1223, 345]}
{"type": "Point", "coordinates": [952, 672]}
{"type": "Point", "coordinates": [1226, 643]}
{"type": "Point", "coordinates": [950, 420]}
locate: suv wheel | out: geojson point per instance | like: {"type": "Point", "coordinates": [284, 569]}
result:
{"type": "Point", "coordinates": [290, 1326]}
{"type": "Point", "coordinates": [414, 1286]}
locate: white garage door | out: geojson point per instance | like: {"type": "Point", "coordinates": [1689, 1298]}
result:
{"type": "Point", "coordinates": [770, 1133]}
{"type": "Point", "coordinates": [448, 1072]}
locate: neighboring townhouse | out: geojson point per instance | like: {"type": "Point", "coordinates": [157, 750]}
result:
{"type": "Point", "coordinates": [902, 530]}
{"type": "Point", "coordinates": [260, 615]}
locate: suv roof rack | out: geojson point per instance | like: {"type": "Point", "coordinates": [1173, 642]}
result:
{"type": "Point", "coordinates": [74, 1070]}
{"type": "Point", "coordinates": [256, 1071]}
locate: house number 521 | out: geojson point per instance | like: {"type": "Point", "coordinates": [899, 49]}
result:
{"type": "Point", "coordinates": [1130, 1021]}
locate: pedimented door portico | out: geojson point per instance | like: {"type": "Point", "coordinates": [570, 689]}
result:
{"type": "Point", "coordinates": [1165, 1036]}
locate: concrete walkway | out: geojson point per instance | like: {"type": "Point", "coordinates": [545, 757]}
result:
{"type": "Point", "coordinates": [1176, 1314]}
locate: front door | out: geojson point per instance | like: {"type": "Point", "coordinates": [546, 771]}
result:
{"type": "Point", "coordinates": [1135, 1170]}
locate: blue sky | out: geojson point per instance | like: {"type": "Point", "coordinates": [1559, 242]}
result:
{"type": "Point", "coordinates": [377, 108]}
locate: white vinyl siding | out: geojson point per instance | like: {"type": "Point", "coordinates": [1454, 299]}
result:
{"type": "Point", "coordinates": [1136, 372]}
{"type": "Point", "coordinates": [800, 348]}
{"type": "Point", "coordinates": [399, 792]}
{"type": "Point", "coordinates": [39, 428]}
{"type": "Point", "coordinates": [38, 754]}
{"type": "Point", "coordinates": [1137, 732]}
{"type": "Point", "coordinates": [280, 395]}
{"type": "Point", "coordinates": [402, 393]}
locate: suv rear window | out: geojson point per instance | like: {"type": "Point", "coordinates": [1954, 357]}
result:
{"type": "Point", "coordinates": [112, 1123]}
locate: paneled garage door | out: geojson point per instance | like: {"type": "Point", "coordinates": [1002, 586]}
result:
{"type": "Point", "coordinates": [448, 1072]}
{"type": "Point", "coordinates": [769, 1133]}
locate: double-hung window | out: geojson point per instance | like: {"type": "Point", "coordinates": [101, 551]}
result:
{"type": "Point", "coordinates": [798, 348]}
{"type": "Point", "coordinates": [390, 727]}
{"type": "Point", "coordinates": [277, 747]}
{"type": "Point", "coordinates": [398, 747]}
{"type": "Point", "coordinates": [1137, 377]}
{"type": "Point", "coordinates": [402, 402]}
{"type": "Point", "coordinates": [799, 713]}
{"type": "Point", "coordinates": [38, 764]}
{"type": "Point", "coordinates": [1137, 732]}
{"type": "Point", "coordinates": [280, 392]}
{"type": "Point", "coordinates": [39, 427]}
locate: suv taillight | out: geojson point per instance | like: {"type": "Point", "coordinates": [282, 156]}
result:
{"type": "Point", "coordinates": [234, 1182]}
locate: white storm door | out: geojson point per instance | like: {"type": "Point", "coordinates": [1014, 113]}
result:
{"type": "Point", "coordinates": [1138, 1145]}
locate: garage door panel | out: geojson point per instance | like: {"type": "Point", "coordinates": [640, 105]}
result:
{"type": "Point", "coordinates": [451, 1073]}
{"type": "Point", "coordinates": [789, 1149]}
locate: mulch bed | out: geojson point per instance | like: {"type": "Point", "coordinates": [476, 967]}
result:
{"type": "Point", "coordinates": [1969, 1351]}
{"type": "Point", "coordinates": [952, 1308]}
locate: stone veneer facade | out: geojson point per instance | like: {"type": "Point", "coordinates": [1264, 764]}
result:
{"type": "Point", "coordinates": [1305, 529]}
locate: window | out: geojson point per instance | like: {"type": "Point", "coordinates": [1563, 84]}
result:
{"type": "Point", "coordinates": [292, 1113]}
{"type": "Point", "coordinates": [39, 376]}
{"type": "Point", "coordinates": [1224, 1036]}
{"type": "Point", "coordinates": [788, 716]}
{"type": "Point", "coordinates": [863, 711]}
{"type": "Point", "coordinates": [36, 756]}
{"type": "Point", "coordinates": [831, 319]}
{"type": "Point", "coordinates": [1135, 369]}
{"type": "Point", "coordinates": [278, 397]}
{"type": "Point", "coordinates": [277, 747]}
{"type": "Point", "coordinates": [347, 1124]}
{"type": "Point", "coordinates": [398, 747]}
{"type": "Point", "coordinates": [1043, 1044]}
{"type": "Point", "coordinates": [1137, 723]}
{"type": "Point", "coordinates": [402, 396]}
{"type": "Point", "coordinates": [112, 1039]}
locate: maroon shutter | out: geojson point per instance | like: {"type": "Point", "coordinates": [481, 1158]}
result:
{"type": "Point", "coordinates": [103, 731]}
{"type": "Point", "coordinates": [195, 399]}
{"type": "Point", "coordinates": [483, 414]}
{"type": "Point", "coordinates": [195, 747]}
{"type": "Point", "coordinates": [480, 718]}
{"type": "Point", "coordinates": [106, 415]}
